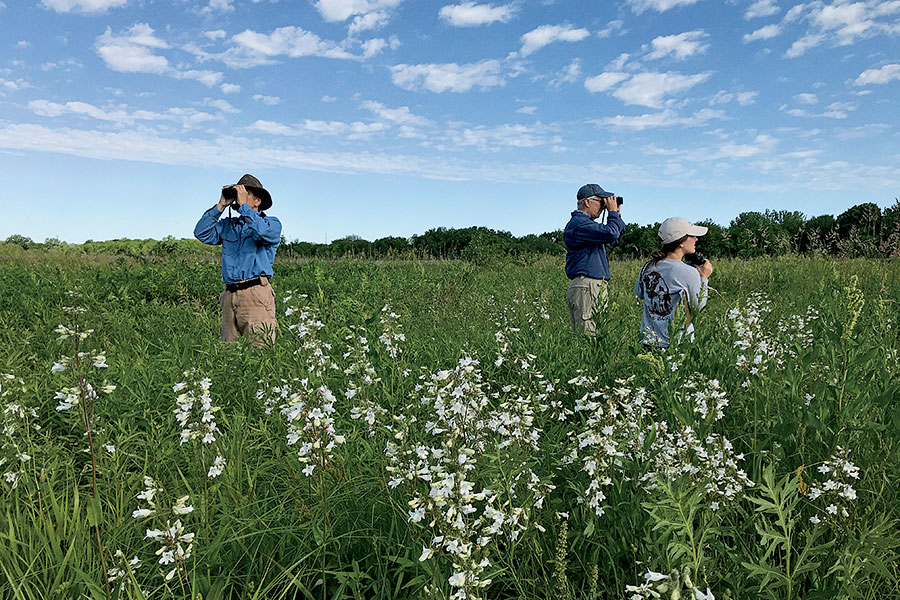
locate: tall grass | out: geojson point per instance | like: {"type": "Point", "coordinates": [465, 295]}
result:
{"type": "Point", "coordinates": [263, 529]}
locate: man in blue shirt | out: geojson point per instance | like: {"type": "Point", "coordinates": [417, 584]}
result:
{"type": "Point", "coordinates": [586, 262]}
{"type": "Point", "coordinates": [249, 242]}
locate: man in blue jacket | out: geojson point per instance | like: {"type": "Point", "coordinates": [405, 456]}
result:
{"type": "Point", "coordinates": [586, 262]}
{"type": "Point", "coordinates": [249, 242]}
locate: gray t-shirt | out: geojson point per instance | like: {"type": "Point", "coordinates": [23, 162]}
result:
{"type": "Point", "coordinates": [662, 286]}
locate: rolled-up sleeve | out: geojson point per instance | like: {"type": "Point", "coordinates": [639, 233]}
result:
{"type": "Point", "coordinates": [208, 228]}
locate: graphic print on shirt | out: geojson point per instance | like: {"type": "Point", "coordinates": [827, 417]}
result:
{"type": "Point", "coordinates": [657, 291]}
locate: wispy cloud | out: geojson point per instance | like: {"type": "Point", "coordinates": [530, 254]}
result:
{"type": "Point", "coordinates": [122, 116]}
{"type": "Point", "coordinates": [134, 52]}
{"type": "Point", "coordinates": [267, 100]}
{"type": "Point", "coordinates": [539, 37]}
{"type": "Point", "coordinates": [762, 8]}
{"type": "Point", "coordinates": [763, 33]}
{"type": "Point", "coordinates": [680, 46]}
{"type": "Point", "coordinates": [446, 77]}
{"type": "Point", "coordinates": [639, 6]}
{"type": "Point", "coordinates": [742, 98]}
{"type": "Point", "coordinates": [470, 14]}
{"type": "Point", "coordinates": [650, 89]}
{"type": "Point", "coordinates": [401, 115]}
{"type": "Point", "coordinates": [605, 81]}
{"type": "Point", "coordinates": [83, 6]}
{"type": "Point", "coordinates": [882, 75]}
{"type": "Point", "coordinates": [662, 119]}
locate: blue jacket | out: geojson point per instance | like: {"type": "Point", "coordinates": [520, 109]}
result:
{"type": "Point", "coordinates": [248, 242]}
{"type": "Point", "coordinates": [586, 242]}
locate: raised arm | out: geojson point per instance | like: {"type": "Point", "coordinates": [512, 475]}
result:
{"type": "Point", "coordinates": [209, 229]}
{"type": "Point", "coordinates": [265, 230]}
{"type": "Point", "coordinates": [598, 233]}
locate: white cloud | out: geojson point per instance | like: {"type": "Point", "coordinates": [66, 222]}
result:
{"type": "Point", "coordinates": [762, 145]}
{"type": "Point", "coordinates": [763, 33]}
{"type": "Point", "coordinates": [328, 99]}
{"type": "Point", "coordinates": [254, 49]}
{"type": "Point", "coordinates": [218, 6]}
{"type": "Point", "coordinates": [492, 139]}
{"type": "Point", "coordinates": [222, 105]}
{"type": "Point", "coordinates": [470, 14]}
{"type": "Point", "coordinates": [132, 52]}
{"type": "Point", "coordinates": [448, 77]}
{"type": "Point", "coordinates": [835, 110]}
{"type": "Point", "coordinates": [681, 46]}
{"type": "Point", "coordinates": [84, 6]}
{"type": "Point", "coordinates": [267, 100]}
{"type": "Point", "coordinates": [355, 130]}
{"type": "Point", "coordinates": [526, 110]}
{"type": "Point", "coordinates": [400, 115]}
{"type": "Point", "coordinates": [885, 74]}
{"type": "Point", "coordinates": [216, 34]}
{"type": "Point", "coordinates": [842, 22]}
{"type": "Point", "coordinates": [742, 98]}
{"type": "Point", "coordinates": [230, 88]}
{"type": "Point", "coordinates": [665, 118]}
{"type": "Point", "coordinates": [341, 10]}
{"type": "Point", "coordinates": [23, 44]}
{"type": "Point", "coordinates": [537, 38]}
{"type": "Point", "coordinates": [13, 86]}
{"type": "Point", "coordinates": [67, 63]}
{"type": "Point", "coordinates": [611, 28]}
{"type": "Point", "coordinates": [366, 22]}
{"type": "Point", "coordinates": [569, 74]}
{"type": "Point", "coordinates": [119, 115]}
{"type": "Point", "coordinates": [639, 6]}
{"type": "Point", "coordinates": [807, 99]}
{"type": "Point", "coordinates": [604, 81]}
{"type": "Point", "coordinates": [762, 8]}
{"type": "Point", "coordinates": [372, 47]}
{"type": "Point", "coordinates": [649, 89]}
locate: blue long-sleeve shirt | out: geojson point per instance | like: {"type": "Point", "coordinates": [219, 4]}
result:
{"type": "Point", "coordinates": [248, 242]}
{"type": "Point", "coordinates": [586, 242]}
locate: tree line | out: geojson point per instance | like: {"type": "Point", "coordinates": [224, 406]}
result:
{"type": "Point", "coordinates": [862, 230]}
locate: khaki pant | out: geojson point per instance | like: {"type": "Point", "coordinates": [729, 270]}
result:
{"type": "Point", "coordinates": [585, 297]}
{"type": "Point", "coordinates": [250, 311]}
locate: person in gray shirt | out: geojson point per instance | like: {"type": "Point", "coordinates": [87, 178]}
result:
{"type": "Point", "coordinates": [667, 285]}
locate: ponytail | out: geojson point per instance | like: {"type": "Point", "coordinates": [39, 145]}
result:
{"type": "Point", "coordinates": [665, 250]}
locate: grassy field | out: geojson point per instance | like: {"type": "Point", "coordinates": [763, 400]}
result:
{"type": "Point", "coordinates": [433, 430]}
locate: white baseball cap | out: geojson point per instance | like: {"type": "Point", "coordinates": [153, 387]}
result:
{"type": "Point", "coordinates": [675, 228]}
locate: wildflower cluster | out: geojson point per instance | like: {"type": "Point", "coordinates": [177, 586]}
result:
{"type": "Point", "coordinates": [531, 384]}
{"type": "Point", "coordinates": [710, 462]}
{"type": "Point", "coordinates": [674, 585]}
{"type": "Point", "coordinates": [706, 397]}
{"type": "Point", "coordinates": [309, 413]}
{"type": "Point", "coordinates": [798, 329]}
{"type": "Point", "coordinates": [611, 435]}
{"type": "Point", "coordinates": [392, 336]}
{"type": "Point", "coordinates": [176, 545]}
{"type": "Point", "coordinates": [463, 515]}
{"type": "Point", "coordinates": [361, 378]}
{"type": "Point", "coordinates": [196, 416]}
{"type": "Point", "coordinates": [18, 422]}
{"type": "Point", "coordinates": [836, 494]}
{"type": "Point", "coordinates": [755, 346]}
{"type": "Point", "coordinates": [125, 567]}
{"type": "Point", "coordinates": [314, 350]}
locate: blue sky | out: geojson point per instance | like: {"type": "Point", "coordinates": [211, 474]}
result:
{"type": "Point", "coordinates": [123, 118]}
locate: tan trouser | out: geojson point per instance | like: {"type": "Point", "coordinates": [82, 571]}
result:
{"type": "Point", "coordinates": [586, 296]}
{"type": "Point", "coordinates": [250, 311]}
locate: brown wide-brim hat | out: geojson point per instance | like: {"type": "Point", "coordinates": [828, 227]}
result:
{"type": "Point", "coordinates": [253, 184]}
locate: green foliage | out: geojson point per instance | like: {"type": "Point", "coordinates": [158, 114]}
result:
{"type": "Point", "coordinates": [263, 530]}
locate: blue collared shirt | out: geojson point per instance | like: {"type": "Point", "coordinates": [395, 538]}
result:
{"type": "Point", "coordinates": [248, 242]}
{"type": "Point", "coordinates": [586, 242]}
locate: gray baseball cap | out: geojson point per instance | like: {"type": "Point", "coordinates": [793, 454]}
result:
{"type": "Point", "coordinates": [592, 189]}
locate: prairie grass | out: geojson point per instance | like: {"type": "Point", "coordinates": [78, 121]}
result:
{"type": "Point", "coordinates": [264, 529]}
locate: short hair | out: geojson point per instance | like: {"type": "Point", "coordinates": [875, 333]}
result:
{"type": "Point", "coordinates": [582, 202]}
